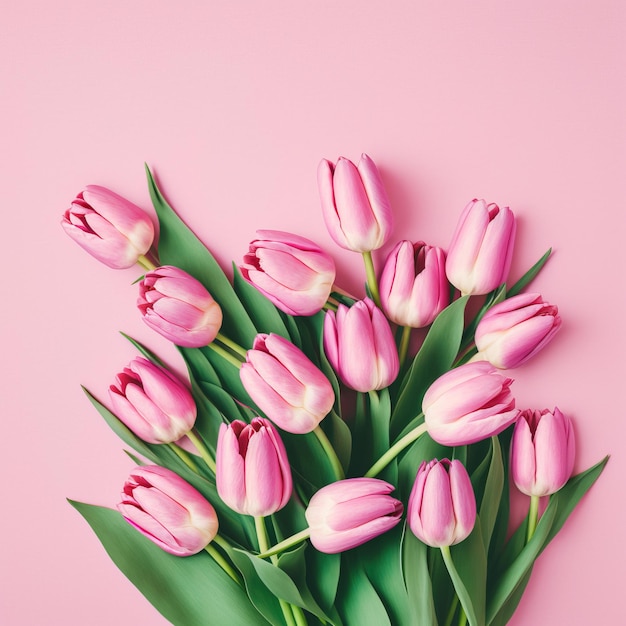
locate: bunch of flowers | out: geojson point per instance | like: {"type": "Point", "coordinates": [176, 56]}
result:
{"type": "Point", "coordinates": [323, 463]}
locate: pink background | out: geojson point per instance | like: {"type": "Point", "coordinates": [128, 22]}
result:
{"type": "Point", "coordinates": [233, 106]}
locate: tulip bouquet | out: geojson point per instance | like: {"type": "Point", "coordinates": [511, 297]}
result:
{"type": "Point", "coordinates": [325, 462]}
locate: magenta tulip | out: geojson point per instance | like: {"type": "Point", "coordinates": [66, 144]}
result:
{"type": "Point", "coordinates": [286, 385]}
{"type": "Point", "coordinates": [177, 306]}
{"type": "Point", "coordinates": [442, 505]}
{"type": "Point", "coordinates": [468, 404]}
{"type": "Point", "coordinates": [479, 257]}
{"type": "Point", "coordinates": [354, 204]}
{"type": "Point", "coordinates": [512, 331]}
{"type": "Point", "coordinates": [168, 510]}
{"type": "Point", "coordinates": [153, 403]}
{"type": "Point", "coordinates": [350, 512]}
{"type": "Point", "coordinates": [109, 227]}
{"type": "Point", "coordinates": [542, 452]}
{"type": "Point", "coordinates": [360, 346]}
{"type": "Point", "coordinates": [413, 285]}
{"type": "Point", "coordinates": [253, 474]}
{"type": "Point", "coordinates": [293, 272]}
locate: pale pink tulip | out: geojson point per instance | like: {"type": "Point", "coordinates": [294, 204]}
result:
{"type": "Point", "coordinates": [354, 204]}
{"type": "Point", "coordinates": [168, 510]}
{"type": "Point", "coordinates": [350, 512]}
{"type": "Point", "coordinates": [109, 227]}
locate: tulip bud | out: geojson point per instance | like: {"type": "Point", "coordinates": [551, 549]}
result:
{"type": "Point", "coordinates": [177, 306]}
{"type": "Point", "coordinates": [168, 510]}
{"type": "Point", "coordinates": [514, 330]}
{"type": "Point", "coordinates": [109, 227]}
{"type": "Point", "coordinates": [413, 285]}
{"type": "Point", "coordinates": [253, 474]}
{"type": "Point", "coordinates": [468, 404]}
{"type": "Point", "coordinates": [286, 385]}
{"type": "Point", "coordinates": [354, 204]}
{"type": "Point", "coordinates": [479, 257]}
{"type": "Point", "coordinates": [542, 452]}
{"type": "Point", "coordinates": [360, 346]}
{"type": "Point", "coordinates": [350, 512]}
{"type": "Point", "coordinates": [293, 272]}
{"type": "Point", "coordinates": [442, 505]}
{"type": "Point", "coordinates": [154, 404]}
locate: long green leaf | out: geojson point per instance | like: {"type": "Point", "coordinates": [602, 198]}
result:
{"type": "Point", "coordinates": [494, 483]}
{"type": "Point", "coordinates": [526, 279]}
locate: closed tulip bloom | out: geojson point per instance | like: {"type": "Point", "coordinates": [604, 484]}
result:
{"type": "Point", "coordinates": [468, 404]}
{"type": "Point", "coordinates": [109, 227]}
{"type": "Point", "coordinates": [286, 385]}
{"type": "Point", "coordinates": [253, 474]}
{"type": "Point", "coordinates": [514, 330]}
{"type": "Point", "coordinates": [542, 452]}
{"type": "Point", "coordinates": [413, 285]}
{"type": "Point", "coordinates": [168, 510]}
{"type": "Point", "coordinates": [350, 512]}
{"type": "Point", "coordinates": [177, 306]}
{"type": "Point", "coordinates": [360, 346]}
{"type": "Point", "coordinates": [294, 273]}
{"type": "Point", "coordinates": [153, 403]}
{"type": "Point", "coordinates": [354, 204]}
{"type": "Point", "coordinates": [479, 257]}
{"type": "Point", "coordinates": [442, 505]}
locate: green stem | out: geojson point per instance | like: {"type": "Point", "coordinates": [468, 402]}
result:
{"type": "Point", "coordinates": [225, 354]}
{"type": "Point", "coordinates": [331, 306]}
{"type": "Point", "coordinates": [223, 563]}
{"type": "Point", "coordinates": [404, 344]}
{"type": "Point", "coordinates": [462, 618]}
{"type": "Point", "coordinates": [183, 455]}
{"type": "Point", "coordinates": [397, 447]}
{"type": "Point", "coordinates": [146, 263]}
{"type": "Point", "coordinates": [195, 438]}
{"type": "Point", "coordinates": [294, 540]}
{"type": "Point", "coordinates": [452, 611]}
{"type": "Point", "coordinates": [372, 283]}
{"type": "Point", "coordinates": [330, 452]}
{"type": "Point", "coordinates": [533, 516]}
{"type": "Point", "coordinates": [235, 347]}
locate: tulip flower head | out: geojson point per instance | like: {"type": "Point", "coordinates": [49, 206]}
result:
{"type": "Point", "coordinates": [467, 404]}
{"type": "Point", "coordinates": [153, 403]}
{"type": "Point", "coordinates": [360, 346]}
{"type": "Point", "coordinates": [112, 229]}
{"type": "Point", "coordinates": [542, 452]}
{"type": "Point", "coordinates": [253, 474]}
{"type": "Point", "coordinates": [442, 505]}
{"type": "Point", "coordinates": [480, 254]}
{"type": "Point", "coordinates": [286, 385]}
{"type": "Point", "coordinates": [354, 204]}
{"type": "Point", "coordinates": [413, 285]}
{"type": "Point", "coordinates": [168, 510]}
{"type": "Point", "coordinates": [512, 331]}
{"type": "Point", "coordinates": [178, 306]}
{"type": "Point", "coordinates": [350, 512]}
{"type": "Point", "coordinates": [293, 272]}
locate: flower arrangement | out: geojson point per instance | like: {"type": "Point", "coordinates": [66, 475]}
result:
{"type": "Point", "coordinates": [321, 464]}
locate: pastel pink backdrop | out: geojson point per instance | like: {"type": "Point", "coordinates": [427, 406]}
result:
{"type": "Point", "coordinates": [233, 105]}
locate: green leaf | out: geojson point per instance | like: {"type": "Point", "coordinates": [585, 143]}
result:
{"type": "Point", "coordinates": [525, 280]}
{"type": "Point", "coordinates": [178, 246]}
{"type": "Point", "coordinates": [340, 437]}
{"type": "Point", "coordinates": [182, 589]}
{"type": "Point", "coordinates": [490, 503]}
{"type": "Point", "coordinates": [323, 578]}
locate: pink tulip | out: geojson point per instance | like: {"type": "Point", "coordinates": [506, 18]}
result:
{"type": "Point", "coordinates": [467, 404]}
{"type": "Point", "coordinates": [253, 474]}
{"type": "Point", "coordinates": [177, 306]}
{"type": "Point", "coordinates": [542, 452]}
{"type": "Point", "coordinates": [479, 257]}
{"type": "Point", "coordinates": [293, 272]}
{"type": "Point", "coordinates": [514, 330]}
{"type": "Point", "coordinates": [350, 512]}
{"type": "Point", "coordinates": [286, 385]}
{"type": "Point", "coordinates": [413, 285]}
{"type": "Point", "coordinates": [442, 506]}
{"type": "Point", "coordinates": [354, 204]}
{"type": "Point", "coordinates": [109, 227]}
{"type": "Point", "coordinates": [360, 346]}
{"type": "Point", "coordinates": [168, 510]}
{"type": "Point", "coordinates": [154, 404]}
